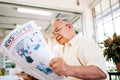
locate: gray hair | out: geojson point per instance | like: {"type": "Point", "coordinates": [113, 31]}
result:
{"type": "Point", "coordinates": [61, 19]}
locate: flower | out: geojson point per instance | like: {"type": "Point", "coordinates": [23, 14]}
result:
{"type": "Point", "coordinates": [112, 48]}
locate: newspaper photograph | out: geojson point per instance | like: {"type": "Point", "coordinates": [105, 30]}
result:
{"type": "Point", "coordinates": [26, 46]}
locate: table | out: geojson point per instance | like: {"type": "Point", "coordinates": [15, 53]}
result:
{"type": "Point", "coordinates": [116, 74]}
{"type": "Point", "coordinates": [26, 76]}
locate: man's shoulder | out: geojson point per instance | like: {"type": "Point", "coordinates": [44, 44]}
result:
{"type": "Point", "coordinates": [82, 38]}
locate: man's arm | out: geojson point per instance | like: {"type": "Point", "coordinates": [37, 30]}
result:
{"type": "Point", "coordinates": [82, 72]}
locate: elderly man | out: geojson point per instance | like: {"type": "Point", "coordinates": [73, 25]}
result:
{"type": "Point", "coordinates": [81, 59]}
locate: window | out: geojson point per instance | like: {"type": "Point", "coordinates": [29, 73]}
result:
{"type": "Point", "coordinates": [106, 17]}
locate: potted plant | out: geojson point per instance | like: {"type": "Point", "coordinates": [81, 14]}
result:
{"type": "Point", "coordinates": [2, 72]}
{"type": "Point", "coordinates": [112, 50]}
{"type": "Point", "coordinates": [12, 70]}
{"type": "Point", "coordinates": [13, 65]}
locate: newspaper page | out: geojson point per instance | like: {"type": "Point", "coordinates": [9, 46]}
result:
{"type": "Point", "coordinates": [25, 46]}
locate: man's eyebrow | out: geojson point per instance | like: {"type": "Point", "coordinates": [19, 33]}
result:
{"type": "Point", "coordinates": [55, 29]}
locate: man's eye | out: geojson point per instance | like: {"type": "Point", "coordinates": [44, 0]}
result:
{"type": "Point", "coordinates": [57, 30]}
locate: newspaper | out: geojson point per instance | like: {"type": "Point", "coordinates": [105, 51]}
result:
{"type": "Point", "coordinates": [25, 46]}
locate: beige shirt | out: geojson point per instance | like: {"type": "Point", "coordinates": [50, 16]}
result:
{"type": "Point", "coordinates": [83, 52]}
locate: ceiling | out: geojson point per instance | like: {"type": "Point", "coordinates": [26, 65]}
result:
{"type": "Point", "coordinates": [10, 17]}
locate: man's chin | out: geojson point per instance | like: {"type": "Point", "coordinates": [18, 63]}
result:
{"type": "Point", "coordinates": [61, 43]}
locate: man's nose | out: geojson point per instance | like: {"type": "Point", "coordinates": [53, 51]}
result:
{"type": "Point", "coordinates": [54, 33]}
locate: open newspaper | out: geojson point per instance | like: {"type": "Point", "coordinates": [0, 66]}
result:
{"type": "Point", "coordinates": [26, 46]}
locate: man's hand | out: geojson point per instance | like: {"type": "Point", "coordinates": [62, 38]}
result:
{"type": "Point", "coordinates": [59, 66]}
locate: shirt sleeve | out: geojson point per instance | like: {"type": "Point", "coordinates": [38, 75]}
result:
{"type": "Point", "coordinates": [91, 54]}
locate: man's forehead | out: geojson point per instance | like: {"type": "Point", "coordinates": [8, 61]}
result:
{"type": "Point", "coordinates": [56, 23]}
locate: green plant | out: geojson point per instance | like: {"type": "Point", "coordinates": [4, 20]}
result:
{"type": "Point", "coordinates": [13, 65]}
{"type": "Point", "coordinates": [112, 48]}
{"type": "Point", "coordinates": [2, 72]}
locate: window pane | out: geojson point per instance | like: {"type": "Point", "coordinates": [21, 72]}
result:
{"type": "Point", "coordinates": [113, 1]}
{"type": "Point", "coordinates": [97, 9]}
{"type": "Point", "coordinates": [99, 20]}
{"type": "Point", "coordinates": [116, 10]}
{"type": "Point", "coordinates": [117, 25]}
{"type": "Point", "coordinates": [107, 15]}
{"type": "Point", "coordinates": [109, 28]}
{"type": "Point", "coordinates": [105, 4]}
{"type": "Point", "coordinates": [100, 33]}
{"type": "Point", "coordinates": [78, 26]}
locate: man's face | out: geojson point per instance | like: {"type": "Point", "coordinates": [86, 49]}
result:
{"type": "Point", "coordinates": [61, 31]}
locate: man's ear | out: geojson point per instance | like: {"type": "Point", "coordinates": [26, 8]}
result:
{"type": "Point", "coordinates": [69, 26]}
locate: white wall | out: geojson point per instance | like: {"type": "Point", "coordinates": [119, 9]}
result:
{"type": "Point", "coordinates": [64, 5]}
